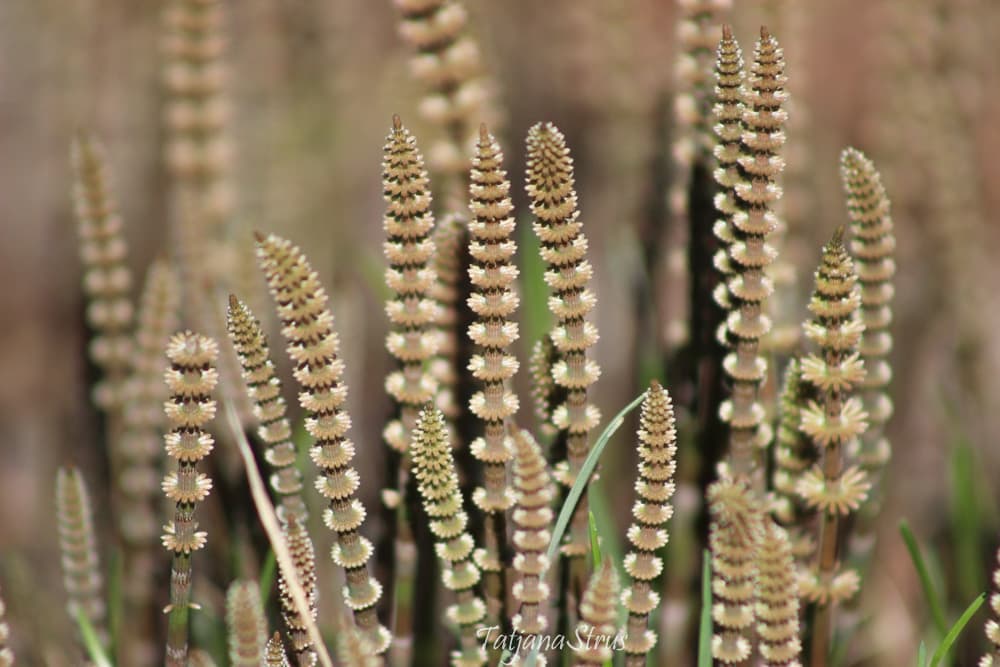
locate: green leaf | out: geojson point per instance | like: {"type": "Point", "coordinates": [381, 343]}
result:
{"type": "Point", "coordinates": [952, 636]}
{"type": "Point", "coordinates": [933, 601]}
{"type": "Point", "coordinates": [91, 642]}
{"type": "Point", "coordinates": [705, 626]}
{"type": "Point", "coordinates": [595, 540]}
{"type": "Point", "coordinates": [575, 491]}
{"type": "Point", "coordinates": [922, 655]}
{"type": "Point", "coordinates": [267, 572]}
{"type": "Point", "coordinates": [966, 520]}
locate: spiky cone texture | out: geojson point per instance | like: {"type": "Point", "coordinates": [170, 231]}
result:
{"type": "Point", "coordinates": [245, 624]}
{"type": "Point", "coordinates": [598, 617]}
{"type": "Point", "coordinates": [274, 652]}
{"type": "Point", "coordinates": [792, 457]}
{"type": "Point", "coordinates": [651, 512]}
{"type": "Point", "coordinates": [734, 532]}
{"type": "Point", "coordinates": [300, 546]}
{"type": "Point", "coordinates": [264, 388]}
{"type": "Point", "coordinates": [543, 387]}
{"type": "Point", "coordinates": [6, 652]}
{"type": "Point", "coordinates": [78, 549]}
{"type": "Point", "coordinates": [494, 302]}
{"type": "Point", "coordinates": [448, 63]}
{"type": "Point", "coordinates": [777, 604]}
{"type": "Point", "coordinates": [534, 491]}
{"type": "Point", "coordinates": [450, 241]}
{"type": "Point", "coordinates": [107, 280]}
{"type": "Point", "coordinates": [751, 219]}
{"type": "Point", "coordinates": [437, 482]}
{"type": "Point", "coordinates": [873, 245]}
{"type": "Point", "coordinates": [307, 325]}
{"type": "Point", "coordinates": [992, 627]}
{"type": "Point", "coordinates": [191, 379]}
{"type": "Point", "coordinates": [549, 184]}
{"type": "Point", "coordinates": [836, 420]}
{"type": "Point", "coordinates": [727, 111]}
{"type": "Point", "coordinates": [408, 248]}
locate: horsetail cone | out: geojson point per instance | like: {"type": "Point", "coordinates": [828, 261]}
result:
{"type": "Point", "coordinates": [549, 184]}
{"type": "Point", "coordinates": [598, 617]}
{"type": "Point", "coordinates": [307, 325]}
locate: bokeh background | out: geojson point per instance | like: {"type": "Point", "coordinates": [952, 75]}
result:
{"type": "Point", "coordinates": [913, 83]}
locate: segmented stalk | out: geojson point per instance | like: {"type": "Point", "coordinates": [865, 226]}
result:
{"type": "Point", "coordinates": [651, 512]}
{"type": "Point", "coordinates": [549, 185]}
{"type": "Point", "coordinates": [777, 605]}
{"type": "Point", "coordinates": [598, 618]}
{"type": "Point", "coordinates": [107, 280]}
{"type": "Point", "coordinates": [300, 546]}
{"type": "Point", "coordinates": [494, 302]}
{"type": "Point", "coordinates": [264, 388]}
{"type": "Point", "coordinates": [734, 534]}
{"type": "Point", "coordinates": [274, 652]}
{"type": "Point", "coordinates": [437, 482]}
{"type": "Point", "coordinates": [191, 379]}
{"type": "Point", "coordinates": [78, 547]}
{"type": "Point", "coordinates": [314, 349]}
{"type": "Point", "coordinates": [749, 205]}
{"type": "Point", "coordinates": [245, 624]}
{"type": "Point", "coordinates": [834, 488]}
{"type": "Point", "coordinates": [451, 240]}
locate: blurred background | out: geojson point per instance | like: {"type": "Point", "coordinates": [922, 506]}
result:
{"type": "Point", "coordinates": [915, 84]}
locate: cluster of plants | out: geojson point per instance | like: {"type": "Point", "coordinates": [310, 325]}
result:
{"type": "Point", "coordinates": [496, 544]}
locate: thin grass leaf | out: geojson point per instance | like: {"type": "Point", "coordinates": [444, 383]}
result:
{"type": "Point", "coordinates": [582, 481]}
{"type": "Point", "coordinates": [933, 601]}
{"type": "Point", "coordinates": [922, 655]}
{"type": "Point", "coordinates": [267, 572]}
{"type": "Point", "coordinates": [966, 520]}
{"type": "Point", "coordinates": [95, 651]}
{"type": "Point", "coordinates": [595, 540]}
{"type": "Point", "coordinates": [269, 519]}
{"type": "Point", "coordinates": [705, 626]}
{"type": "Point", "coordinates": [952, 636]}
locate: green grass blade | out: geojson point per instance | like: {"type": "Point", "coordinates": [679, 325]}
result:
{"type": "Point", "coordinates": [966, 520]}
{"type": "Point", "coordinates": [952, 636]}
{"type": "Point", "coordinates": [937, 610]}
{"type": "Point", "coordinates": [582, 481]}
{"type": "Point", "coordinates": [705, 626]}
{"type": "Point", "coordinates": [922, 655]}
{"type": "Point", "coordinates": [267, 572]}
{"type": "Point", "coordinates": [595, 540]}
{"type": "Point", "coordinates": [95, 651]}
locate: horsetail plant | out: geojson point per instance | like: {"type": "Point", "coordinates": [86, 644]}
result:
{"type": "Point", "coordinates": [451, 241]}
{"type": "Point", "coordinates": [832, 487]}
{"type": "Point", "coordinates": [191, 379]}
{"type": "Point", "coordinates": [107, 280]}
{"type": "Point", "coordinates": [437, 480]}
{"type": "Point", "coordinates": [873, 245]}
{"type": "Point", "coordinates": [549, 184]}
{"type": "Point", "coordinates": [78, 546]}
{"type": "Point", "coordinates": [793, 454]}
{"type": "Point", "coordinates": [353, 650]}
{"type": "Point", "coordinates": [734, 534]}
{"type": "Point", "coordinates": [598, 617]}
{"type": "Point", "coordinates": [534, 491]}
{"type": "Point", "coordinates": [6, 652]}
{"type": "Point", "coordinates": [777, 600]}
{"type": "Point", "coordinates": [992, 627]}
{"type": "Point", "coordinates": [448, 63]}
{"type": "Point", "coordinates": [412, 340]}
{"type": "Point", "coordinates": [303, 554]}
{"type": "Point", "coordinates": [314, 349]}
{"type": "Point", "coordinates": [749, 206]}
{"type": "Point", "coordinates": [245, 623]}
{"type": "Point", "coordinates": [264, 388]}
{"type": "Point", "coordinates": [544, 393]}
{"type": "Point", "coordinates": [274, 652]}
{"type": "Point", "coordinates": [494, 302]}
{"type": "Point", "coordinates": [143, 425]}
{"type": "Point", "coordinates": [651, 512]}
